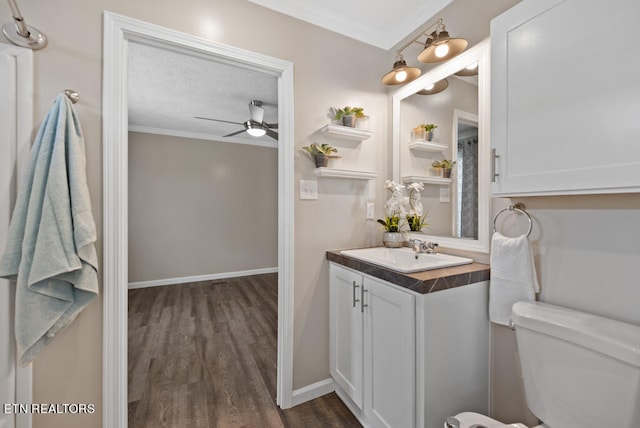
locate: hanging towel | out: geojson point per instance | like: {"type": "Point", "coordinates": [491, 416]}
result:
{"type": "Point", "coordinates": [513, 276]}
{"type": "Point", "coordinates": [50, 249]}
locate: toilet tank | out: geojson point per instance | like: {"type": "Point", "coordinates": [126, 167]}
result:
{"type": "Point", "coordinates": [579, 370]}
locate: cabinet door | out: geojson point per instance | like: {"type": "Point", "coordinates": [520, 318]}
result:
{"type": "Point", "coordinates": [564, 97]}
{"type": "Point", "coordinates": [346, 331]}
{"type": "Point", "coordinates": [389, 355]}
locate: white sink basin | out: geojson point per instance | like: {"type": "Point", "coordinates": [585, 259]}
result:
{"type": "Point", "coordinates": [405, 259]}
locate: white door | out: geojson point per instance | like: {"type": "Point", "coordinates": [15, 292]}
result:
{"type": "Point", "coordinates": [389, 355]}
{"type": "Point", "coordinates": [346, 359]}
{"type": "Point", "coordinates": [15, 129]}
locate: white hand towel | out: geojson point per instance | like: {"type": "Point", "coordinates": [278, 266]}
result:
{"type": "Point", "coordinates": [513, 276]}
{"type": "Point", "coordinates": [50, 249]}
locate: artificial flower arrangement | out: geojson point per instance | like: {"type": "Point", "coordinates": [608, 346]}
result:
{"type": "Point", "coordinates": [416, 217]}
{"type": "Point", "coordinates": [399, 206]}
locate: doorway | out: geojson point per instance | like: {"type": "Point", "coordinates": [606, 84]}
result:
{"type": "Point", "coordinates": [119, 32]}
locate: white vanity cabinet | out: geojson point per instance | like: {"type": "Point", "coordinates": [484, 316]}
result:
{"type": "Point", "coordinates": [564, 98]}
{"type": "Point", "coordinates": [373, 348]}
{"type": "Point", "coordinates": [404, 359]}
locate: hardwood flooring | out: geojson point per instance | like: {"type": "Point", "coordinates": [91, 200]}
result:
{"type": "Point", "coordinates": [204, 355]}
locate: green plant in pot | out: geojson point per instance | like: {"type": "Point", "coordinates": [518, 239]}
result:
{"type": "Point", "coordinates": [348, 115]}
{"type": "Point", "coordinates": [320, 153]}
{"type": "Point", "coordinates": [445, 165]}
{"type": "Point", "coordinates": [428, 130]}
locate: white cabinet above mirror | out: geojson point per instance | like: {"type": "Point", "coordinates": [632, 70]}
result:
{"type": "Point", "coordinates": [457, 206]}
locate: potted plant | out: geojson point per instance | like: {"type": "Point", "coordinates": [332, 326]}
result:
{"type": "Point", "coordinates": [436, 169]}
{"type": "Point", "coordinates": [348, 115]}
{"type": "Point", "coordinates": [446, 167]}
{"type": "Point", "coordinates": [424, 131]}
{"type": "Point", "coordinates": [321, 153]}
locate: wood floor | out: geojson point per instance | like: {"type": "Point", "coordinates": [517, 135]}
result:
{"type": "Point", "coordinates": [204, 355]}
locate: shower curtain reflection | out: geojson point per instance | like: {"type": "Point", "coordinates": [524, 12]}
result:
{"type": "Point", "coordinates": [467, 184]}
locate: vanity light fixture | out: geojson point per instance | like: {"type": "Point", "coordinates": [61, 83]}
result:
{"type": "Point", "coordinates": [438, 47]}
{"type": "Point", "coordinates": [401, 73]}
{"type": "Point", "coordinates": [434, 88]}
{"type": "Point", "coordinates": [470, 70]}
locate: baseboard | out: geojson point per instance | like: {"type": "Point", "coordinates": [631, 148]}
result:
{"type": "Point", "coordinates": [213, 276]}
{"type": "Point", "coordinates": [315, 390]}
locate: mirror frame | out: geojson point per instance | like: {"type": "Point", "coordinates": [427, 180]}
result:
{"type": "Point", "coordinates": [480, 53]}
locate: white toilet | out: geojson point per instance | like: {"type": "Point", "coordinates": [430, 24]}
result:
{"type": "Point", "coordinates": [579, 370]}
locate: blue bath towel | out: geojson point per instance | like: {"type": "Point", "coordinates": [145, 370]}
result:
{"type": "Point", "coordinates": [50, 249]}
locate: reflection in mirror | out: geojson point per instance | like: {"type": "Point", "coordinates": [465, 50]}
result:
{"type": "Point", "coordinates": [457, 201]}
{"type": "Point", "coordinates": [465, 203]}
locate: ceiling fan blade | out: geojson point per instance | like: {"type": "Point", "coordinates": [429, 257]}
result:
{"type": "Point", "coordinates": [218, 120]}
{"type": "Point", "coordinates": [270, 125]}
{"type": "Point", "coordinates": [272, 134]}
{"type": "Point", "coordinates": [234, 133]}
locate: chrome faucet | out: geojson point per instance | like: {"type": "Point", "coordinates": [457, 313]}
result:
{"type": "Point", "coordinates": [420, 246]}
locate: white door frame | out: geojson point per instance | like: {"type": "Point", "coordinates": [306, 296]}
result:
{"type": "Point", "coordinates": [118, 32]}
{"type": "Point", "coordinates": [17, 73]}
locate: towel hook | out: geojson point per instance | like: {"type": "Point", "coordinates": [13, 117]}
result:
{"type": "Point", "coordinates": [519, 207]}
{"type": "Point", "coordinates": [73, 96]}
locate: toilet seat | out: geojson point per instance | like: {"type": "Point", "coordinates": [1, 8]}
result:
{"type": "Point", "coordinates": [476, 420]}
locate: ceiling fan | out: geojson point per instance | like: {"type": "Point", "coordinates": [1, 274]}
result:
{"type": "Point", "coordinates": [255, 126]}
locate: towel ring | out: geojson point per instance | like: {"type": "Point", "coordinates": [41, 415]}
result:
{"type": "Point", "coordinates": [518, 208]}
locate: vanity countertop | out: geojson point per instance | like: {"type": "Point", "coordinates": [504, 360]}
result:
{"type": "Point", "coordinates": [424, 282]}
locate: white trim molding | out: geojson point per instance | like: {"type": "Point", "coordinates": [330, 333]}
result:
{"type": "Point", "coordinates": [315, 390]}
{"type": "Point", "coordinates": [19, 77]}
{"type": "Point", "coordinates": [119, 31]}
{"type": "Point", "coordinates": [198, 278]}
{"type": "Point", "coordinates": [200, 136]}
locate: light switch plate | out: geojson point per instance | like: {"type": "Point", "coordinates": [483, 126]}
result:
{"type": "Point", "coordinates": [308, 189]}
{"type": "Point", "coordinates": [445, 195]}
{"type": "Point", "coordinates": [370, 207]}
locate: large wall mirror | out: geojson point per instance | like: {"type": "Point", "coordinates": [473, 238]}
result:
{"type": "Point", "coordinates": [456, 99]}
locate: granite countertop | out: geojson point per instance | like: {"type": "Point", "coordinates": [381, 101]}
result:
{"type": "Point", "coordinates": [424, 282]}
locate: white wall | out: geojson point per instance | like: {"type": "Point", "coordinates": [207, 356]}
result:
{"type": "Point", "coordinates": [587, 253]}
{"type": "Point", "coordinates": [199, 207]}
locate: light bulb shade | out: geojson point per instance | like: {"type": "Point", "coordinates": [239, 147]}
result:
{"type": "Point", "coordinates": [439, 86]}
{"type": "Point", "coordinates": [399, 67]}
{"type": "Point", "coordinates": [470, 70]}
{"type": "Point", "coordinates": [440, 47]}
{"type": "Point", "coordinates": [255, 129]}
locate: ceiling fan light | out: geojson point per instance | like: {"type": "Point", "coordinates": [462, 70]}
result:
{"type": "Point", "coordinates": [256, 131]}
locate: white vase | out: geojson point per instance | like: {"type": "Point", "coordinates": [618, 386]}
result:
{"type": "Point", "coordinates": [393, 239]}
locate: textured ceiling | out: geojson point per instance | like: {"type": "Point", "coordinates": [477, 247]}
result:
{"type": "Point", "coordinates": [168, 89]}
{"type": "Point", "coordinates": [380, 23]}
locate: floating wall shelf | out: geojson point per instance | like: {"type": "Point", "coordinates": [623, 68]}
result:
{"type": "Point", "coordinates": [345, 173]}
{"type": "Point", "coordinates": [428, 146]}
{"type": "Point", "coordinates": [426, 180]}
{"type": "Point", "coordinates": [345, 132]}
